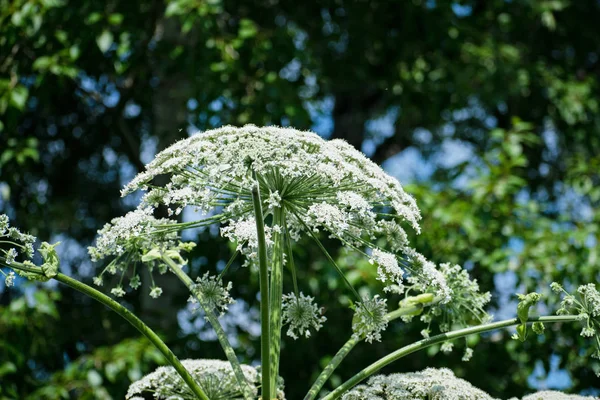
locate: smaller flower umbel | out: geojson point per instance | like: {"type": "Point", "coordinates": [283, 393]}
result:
{"type": "Point", "coordinates": [302, 314]}
{"type": "Point", "coordinates": [585, 303]}
{"type": "Point", "coordinates": [13, 245]}
{"type": "Point", "coordinates": [137, 239]}
{"type": "Point", "coordinates": [370, 318]}
{"type": "Point", "coordinates": [213, 293]}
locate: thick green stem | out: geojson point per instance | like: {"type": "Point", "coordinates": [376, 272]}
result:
{"type": "Point", "coordinates": [275, 296]}
{"type": "Point", "coordinates": [140, 326]}
{"type": "Point", "coordinates": [333, 364]}
{"type": "Point", "coordinates": [422, 344]}
{"type": "Point", "coordinates": [216, 325]}
{"type": "Point", "coordinates": [265, 352]}
{"type": "Point", "coordinates": [353, 341]}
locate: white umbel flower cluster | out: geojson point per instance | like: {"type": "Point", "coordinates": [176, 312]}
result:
{"type": "Point", "coordinates": [318, 184]}
{"type": "Point", "coordinates": [21, 244]}
{"type": "Point", "coordinates": [554, 395]}
{"type": "Point", "coordinates": [313, 186]}
{"type": "Point", "coordinates": [430, 384]}
{"type": "Point", "coordinates": [137, 238]}
{"type": "Point", "coordinates": [243, 233]}
{"type": "Point", "coordinates": [215, 377]}
{"type": "Point", "coordinates": [13, 244]}
{"type": "Point", "coordinates": [134, 234]}
{"type": "Point", "coordinates": [586, 304]}
{"type": "Point", "coordinates": [429, 277]}
{"type": "Point", "coordinates": [9, 280]}
{"type": "Point", "coordinates": [434, 384]}
{"type": "Point", "coordinates": [468, 303]}
{"type": "Point", "coordinates": [301, 314]}
{"type": "Point", "coordinates": [388, 270]}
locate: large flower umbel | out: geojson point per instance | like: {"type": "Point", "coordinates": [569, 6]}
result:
{"type": "Point", "coordinates": [329, 183]}
{"type": "Point", "coordinates": [317, 185]}
{"type": "Point", "coordinates": [308, 187]}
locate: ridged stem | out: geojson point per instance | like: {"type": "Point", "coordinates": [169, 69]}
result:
{"type": "Point", "coordinates": [265, 352]}
{"type": "Point", "coordinates": [275, 297]}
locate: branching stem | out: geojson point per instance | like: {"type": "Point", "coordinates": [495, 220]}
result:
{"type": "Point", "coordinates": [216, 325]}
{"type": "Point", "coordinates": [422, 344]}
{"type": "Point", "coordinates": [140, 326]}
{"type": "Point", "coordinates": [353, 341]}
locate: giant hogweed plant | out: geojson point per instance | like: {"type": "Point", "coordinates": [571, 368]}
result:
{"type": "Point", "coordinates": [266, 188]}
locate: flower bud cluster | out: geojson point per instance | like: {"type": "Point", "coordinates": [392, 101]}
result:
{"type": "Point", "coordinates": [302, 314]}
{"type": "Point", "coordinates": [586, 304]}
{"type": "Point", "coordinates": [215, 296]}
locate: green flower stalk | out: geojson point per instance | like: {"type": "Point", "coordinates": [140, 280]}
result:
{"type": "Point", "coordinates": [49, 270]}
{"type": "Point", "coordinates": [586, 304]}
{"type": "Point", "coordinates": [444, 337]}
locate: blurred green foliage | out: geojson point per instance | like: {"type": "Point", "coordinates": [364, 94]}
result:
{"type": "Point", "coordinates": [90, 90]}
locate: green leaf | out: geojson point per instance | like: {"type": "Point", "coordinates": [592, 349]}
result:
{"type": "Point", "coordinates": [42, 63]}
{"type": "Point", "coordinates": [93, 18]}
{"type": "Point", "coordinates": [115, 19]}
{"type": "Point", "coordinates": [104, 41]}
{"type": "Point", "coordinates": [174, 8]}
{"type": "Point", "coordinates": [7, 368]}
{"type": "Point", "coordinates": [18, 97]}
{"type": "Point", "coordinates": [247, 29]}
{"type": "Point", "coordinates": [538, 328]}
{"type": "Point", "coordinates": [17, 19]}
{"type": "Point", "coordinates": [74, 52]}
{"type": "Point", "coordinates": [527, 301]}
